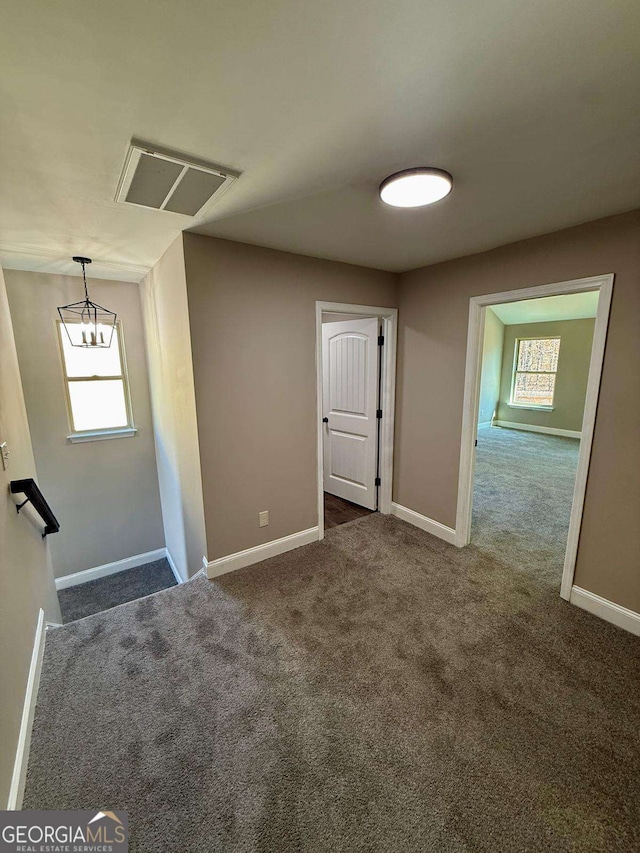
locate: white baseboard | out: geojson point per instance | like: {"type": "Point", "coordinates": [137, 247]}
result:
{"type": "Point", "coordinates": [434, 527]}
{"type": "Point", "coordinates": [485, 425]}
{"type": "Point", "coordinates": [173, 566]}
{"type": "Point", "coordinates": [18, 778]}
{"type": "Point", "coordinates": [112, 568]}
{"type": "Point", "coordinates": [607, 610]}
{"type": "Point", "coordinates": [260, 552]}
{"type": "Point", "coordinates": [566, 433]}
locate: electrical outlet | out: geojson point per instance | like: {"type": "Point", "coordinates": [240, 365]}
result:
{"type": "Point", "coordinates": [5, 454]}
{"type": "Point", "coordinates": [263, 518]}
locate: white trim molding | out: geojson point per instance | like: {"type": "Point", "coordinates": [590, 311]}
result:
{"type": "Point", "coordinates": [241, 559]}
{"type": "Point", "coordinates": [101, 435]}
{"type": "Point", "coordinates": [16, 791]}
{"type": "Point", "coordinates": [473, 369]}
{"type": "Point", "coordinates": [531, 408]}
{"type": "Point", "coordinates": [389, 319]}
{"type": "Point", "coordinates": [173, 566]}
{"type": "Point", "coordinates": [629, 620]}
{"type": "Point", "coordinates": [486, 425]}
{"type": "Point", "coordinates": [566, 433]}
{"type": "Point", "coordinates": [112, 568]}
{"type": "Point", "coordinates": [428, 524]}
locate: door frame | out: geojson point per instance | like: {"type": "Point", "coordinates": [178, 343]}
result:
{"type": "Point", "coordinates": [477, 311]}
{"type": "Point", "coordinates": [389, 319]}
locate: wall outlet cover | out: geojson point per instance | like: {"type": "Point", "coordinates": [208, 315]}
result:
{"type": "Point", "coordinates": [263, 518]}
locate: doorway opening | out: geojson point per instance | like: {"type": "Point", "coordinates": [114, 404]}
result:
{"type": "Point", "coordinates": [534, 361]}
{"type": "Point", "coordinates": [355, 362]}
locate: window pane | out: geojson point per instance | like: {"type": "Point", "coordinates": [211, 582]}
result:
{"type": "Point", "coordinates": [534, 388]}
{"type": "Point", "coordinates": [539, 355]}
{"type": "Point", "coordinates": [98, 404]}
{"type": "Point", "coordinates": [89, 361]}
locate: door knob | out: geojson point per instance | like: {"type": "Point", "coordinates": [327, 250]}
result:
{"type": "Point", "coordinates": [325, 420]}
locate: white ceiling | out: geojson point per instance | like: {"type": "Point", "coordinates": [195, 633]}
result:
{"type": "Point", "coordinates": [571, 306]}
{"type": "Point", "coordinates": [533, 107]}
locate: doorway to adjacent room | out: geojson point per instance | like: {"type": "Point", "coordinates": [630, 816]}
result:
{"type": "Point", "coordinates": [528, 421]}
{"type": "Point", "coordinates": [355, 360]}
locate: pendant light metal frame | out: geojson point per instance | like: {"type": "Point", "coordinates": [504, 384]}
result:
{"type": "Point", "coordinates": [98, 320]}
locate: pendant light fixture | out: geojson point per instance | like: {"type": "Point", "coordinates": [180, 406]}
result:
{"type": "Point", "coordinates": [86, 323]}
{"type": "Point", "coordinates": [416, 187]}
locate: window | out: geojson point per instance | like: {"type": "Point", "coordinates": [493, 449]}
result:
{"type": "Point", "coordinates": [534, 373]}
{"type": "Point", "coordinates": [97, 388]}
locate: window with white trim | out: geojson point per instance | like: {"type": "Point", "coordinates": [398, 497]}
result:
{"type": "Point", "coordinates": [96, 383]}
{"type": "Point", "coordinates": [535, 366]}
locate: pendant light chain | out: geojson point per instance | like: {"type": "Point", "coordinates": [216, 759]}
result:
{"type": "Point", "coordinates": [84, 278]}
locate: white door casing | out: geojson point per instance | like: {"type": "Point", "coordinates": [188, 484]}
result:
{"type": "Point", "coordinates": [477, 306]}
{"type": "Point", "coordinates": [350, 403]}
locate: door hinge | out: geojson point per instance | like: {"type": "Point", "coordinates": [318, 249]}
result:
{"type": "Point", "coordinates": [378, 481]}
{"type": "Point", "coordinates": [379, 414]}
{"type": "Point", "coordinates": [380, 340]}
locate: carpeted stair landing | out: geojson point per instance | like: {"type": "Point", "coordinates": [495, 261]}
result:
{"type": "Point", "coordinates": [85, 599]}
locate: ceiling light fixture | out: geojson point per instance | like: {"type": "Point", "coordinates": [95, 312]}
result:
{"type": "Point", "coordinates": [416, 187]}
{"type": "Point", "coordinates": [86, 323]}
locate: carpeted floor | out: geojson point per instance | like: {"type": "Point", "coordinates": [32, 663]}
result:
{"type": "Point", "coordinates": [523, 490]}
{"type": "Point", "coordinates": [76, 602]}
{"type": "Point", "coordinates": [377, 691]}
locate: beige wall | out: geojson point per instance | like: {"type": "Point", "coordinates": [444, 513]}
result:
{"type": "Point", "coordinates": [167, 332]}
{"type": "Point", "coordinates": [492, 348]}
{"type": "Point", "coordinates": [26, 578]}
{"type": "Point", "coordinates": [433, 316]}
{"type": "Point", "coordinates": [104, 493]}
{"type": "Point", "coordinates": [571, 379]}
{"type": "Point", "coordinates": [252, 314]}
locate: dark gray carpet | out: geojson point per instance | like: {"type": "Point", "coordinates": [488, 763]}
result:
{"type": "Point", "coordinates": [523, 490]}
{"type": "Point", "coordinates": [378, 691]}
{"type": "Point", "coordinates": [76, 602]}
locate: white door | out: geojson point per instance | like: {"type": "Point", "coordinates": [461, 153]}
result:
{"type": "Point", "coordinates": [349, 408]}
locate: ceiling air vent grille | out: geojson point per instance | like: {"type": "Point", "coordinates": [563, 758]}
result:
{"type": "Point", "coordinates": [164, 180]}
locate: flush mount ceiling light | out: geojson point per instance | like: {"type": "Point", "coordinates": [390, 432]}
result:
{"type": "Point", "coordinates": [416, 187]}
{"type": "Point", "coordinates": [86, 323]}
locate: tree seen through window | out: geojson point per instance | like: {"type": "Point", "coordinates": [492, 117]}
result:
{"type": "Point", "coordinates": [536, 365]}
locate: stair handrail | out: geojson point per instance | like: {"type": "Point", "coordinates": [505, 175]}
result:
{"type": "Point", "coordinates": [29, 487]}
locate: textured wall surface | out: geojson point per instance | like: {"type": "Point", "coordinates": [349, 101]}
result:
{"type": "Point", "coordinates": [105, 493]}
{"type": "Point", "coordinates": [168, 341]}
{"type": "Point", "coordinates": [26, 577]}
{"type": "Point", "coordinates": [433, 307]}
{"type": "Point", "coordinates": [252, 315]}
{"type": "Point", "coordinates": [492, 347]}
{"type": "Point", "coordinates": [576, 337]}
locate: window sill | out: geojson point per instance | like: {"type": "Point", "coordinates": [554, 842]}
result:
{"type": "Point", "coordinates": [101, 435]}
{"type": "Point", "coordinates": [531, 407]}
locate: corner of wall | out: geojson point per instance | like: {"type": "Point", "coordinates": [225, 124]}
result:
{"type": "Point", "coordinates": [170, 364]}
